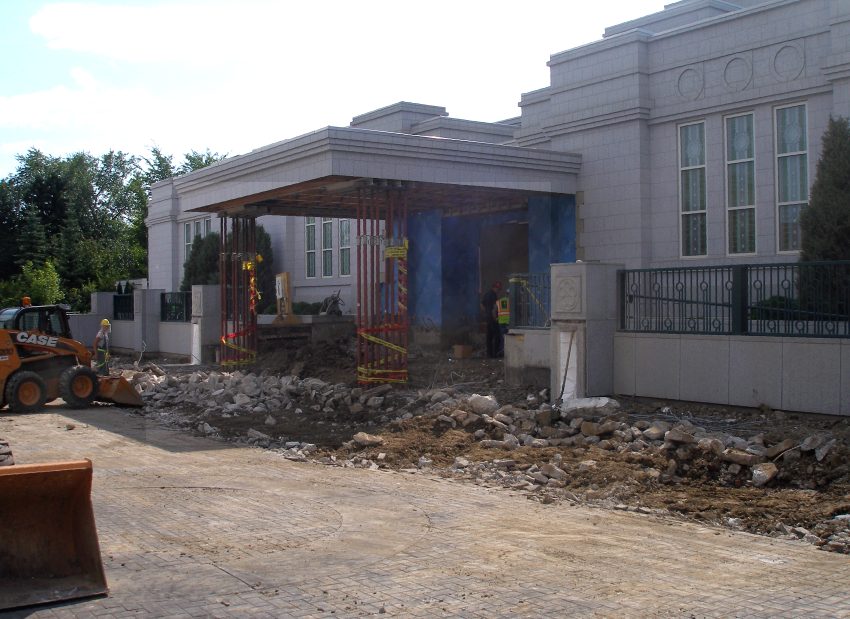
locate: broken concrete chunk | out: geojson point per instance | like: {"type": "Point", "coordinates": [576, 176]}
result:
{"type": "Point", "coordinates": [711, 445]}
{"type": "Point", "coordinates": [364, 439]}
{"type": "Point", "coordinates": [822, 451]}
{"type": "Point", "coordinates": [678, 436]}
{"type": "Point", "coordinates": [656, 431]}
{"type": "Point", "coordinates": [741, 457]}
{"type": "Point", "coordinates": [589, 407]}
{"type": "Point", "coordinates": [813, 442]}
{"type": "Point", "coordinates": [241, 399]}
{"type": "Point", "coordinates": [775, 450]}
{"type": "Point", "coordinates": [252, 433]}
{"type": "Point", "coordinates": [483, 404]}
{"type": "Point", "coordinates": [763, 473]}
{"type": "Point", "coordinates": [550, 470]}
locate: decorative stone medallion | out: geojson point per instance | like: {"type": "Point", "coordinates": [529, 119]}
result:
{"type": "Point", "coordinates": [789, 61]}
{"type": "Point", "coordinates": [737, 74]}
{"type": "Point", "coordinates": [690, 84]}
{"type": "Point", "coordinates": [568, 295]}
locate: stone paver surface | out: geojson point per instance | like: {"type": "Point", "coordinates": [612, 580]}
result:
{"type": "Point", "coordinates": [194, 528]}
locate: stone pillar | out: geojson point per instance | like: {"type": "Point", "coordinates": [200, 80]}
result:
{"type": "Point", "coordinates": [206, 323]}
{"type": "Point", "coordinates": [584, 319]}
{"type": "Point", "coordinates": [146, 320]}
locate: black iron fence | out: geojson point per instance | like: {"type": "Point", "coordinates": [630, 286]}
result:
{"type": "Point", "coordinates": [804, 299]}
{"type": "Point", "coordinates": [122, 307]}
{"type": "Point", "coordinates": [175, 307]}
{"type": "Point", "coordinates": [529, 299]}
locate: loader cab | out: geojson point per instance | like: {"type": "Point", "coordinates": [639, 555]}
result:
{"type": "Point", "coordinates": [47, 319]}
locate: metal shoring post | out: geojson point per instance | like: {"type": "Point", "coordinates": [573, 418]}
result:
{"type": "Point", "coordinates": [359, 340]}
{"type": "Point", "coordinates": [389, 358]}
{"type": "Point", "coordinates": [376, 279]}
{"type": "Point", "coordinates": [222, 292]}
{"type": "Point", "coordinates": [403, 276]}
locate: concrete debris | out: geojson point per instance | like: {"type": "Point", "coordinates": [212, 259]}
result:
{"type": "Point", "coordinates": [483, 404]}
{"type": "Point", "coordinates": [764, 473]}
{"type": "Point", "coordinates": [363, 439]}
{"type": "Point", "coordinates": [665, 450]}
{"type": "Point", "coordinates": [589, 408]}
{"type": "Point", "coordinates": [6, 458]}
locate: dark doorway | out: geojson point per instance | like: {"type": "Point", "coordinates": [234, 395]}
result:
{"type": "Point", "coordinates": [503, 250]}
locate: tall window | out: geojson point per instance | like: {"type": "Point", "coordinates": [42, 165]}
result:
{"type": "Point", "coordinates": [310, 245]}
{"type": "Point", "coordinates": [345, 247]}
{"type": "Point", "coordinates": [692, 198]}
{"type": "Point", "coordinates": [792, 177]}
{"type": "Point", "coordinates": [740, 185]}
{"type": "Point", "coordinates": [191, 229]}
{"type": "Point", "coordinates": [187, 237]}
{"type": "Point", "coordinates": [327, 247]}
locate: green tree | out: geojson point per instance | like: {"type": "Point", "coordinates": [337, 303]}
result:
{"type": "Point", "coordinates": [265, 276]}
{"type": "Point", "coordinates": [195, 160]}
{"type": "Point", "coordinates": [825, 222]}
{"type": "Point", "coordinates": [41, 284]}
{"type": "Point", "coordinates": [201, 267]}
{"type": "Point", "coordinates": [10, 223]}
{"type": "Point", "coordinates": [31, 239]}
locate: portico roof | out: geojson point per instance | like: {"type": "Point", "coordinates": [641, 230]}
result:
{"type": "Point", "coordinates": [326, 173]}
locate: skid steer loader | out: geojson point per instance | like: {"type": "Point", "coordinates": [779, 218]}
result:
{"type": "Point", "coordinates": [49, 550]}
{"type": "Point", "coordinates": [40, 361]}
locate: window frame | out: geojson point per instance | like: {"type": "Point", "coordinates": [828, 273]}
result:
{"type": "Point", "coordinates": [327, 224]}
{"type": "Point", "coordinates": [776, 156]}
{"type": "Point", "coordinates": [727, 162]}
{"type": "Point", "coordinates": [681, 168]}
{"type": "Point", "coordinates": [344, 248]}
{"type": "Point", "coordinates": [309, 226]}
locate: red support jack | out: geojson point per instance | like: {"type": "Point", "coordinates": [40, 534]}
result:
{"type": "Point", "coordinates": [382, 286]}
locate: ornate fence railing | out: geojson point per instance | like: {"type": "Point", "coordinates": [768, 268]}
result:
{"type": "Point", "coordinates": [802, 299]}
{"type": "Point", "coordinates": [529, 299]}
{"type": "Point", "coordinates": [175, 307]}
{"type": "Point", "coordinates": [122, 307]}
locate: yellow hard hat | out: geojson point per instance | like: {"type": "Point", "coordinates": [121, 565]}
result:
{"type": "Point", "coordinates": [104, 323]}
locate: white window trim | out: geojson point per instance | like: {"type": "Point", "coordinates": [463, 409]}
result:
{"type": "Point", "coordinates": [307, 252]}
{"type": "Point", "coordinates": [341, 247]}
{"type": "Point", "coordinates": [325, 220]}
{"type": "Point", "coordinates": [777, 204]}
{"type": "Point", "coordinates": [726, 163]}
{"type": "Point", "coordinates": [679, 170]}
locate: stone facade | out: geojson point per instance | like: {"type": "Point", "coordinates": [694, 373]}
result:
{"type": "Point", "coordinates": [620, 102]}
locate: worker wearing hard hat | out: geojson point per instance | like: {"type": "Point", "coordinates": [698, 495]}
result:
{"type": "Point", "coordinates": [101, 348]}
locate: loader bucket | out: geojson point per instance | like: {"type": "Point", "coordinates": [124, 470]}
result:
{"type": "Point", "coordinates": [116, 389]}
{"type": "Point", "coordinates": [48, 540]}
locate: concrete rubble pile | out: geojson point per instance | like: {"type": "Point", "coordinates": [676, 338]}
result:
{"type": "Point", "coordinates": [224, 395]}
{"type": "Point", "coordinates": [6, 458]}
{"type": "Point", "coordinates": [662, 451]}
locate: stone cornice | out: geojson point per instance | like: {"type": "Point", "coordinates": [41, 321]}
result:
{"type": "Point", "coordinates": [336, 142]}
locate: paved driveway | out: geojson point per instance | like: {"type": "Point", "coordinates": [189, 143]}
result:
{"type": "Point", "coordinates": [194, 528]}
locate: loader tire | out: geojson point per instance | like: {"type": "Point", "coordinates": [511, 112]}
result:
{"type": "Point", "coordinates": [78, 386]}
{"type": "Point", "coordinates": [25, 392]}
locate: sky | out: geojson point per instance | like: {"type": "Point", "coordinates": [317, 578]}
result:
{"type": "Point", "coordinates": [232, 76]}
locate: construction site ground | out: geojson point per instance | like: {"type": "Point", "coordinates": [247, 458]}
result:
{"type": "Point", "coordinates": [811, 493]}
{"type": "Point", "coordinates": [194, 527]}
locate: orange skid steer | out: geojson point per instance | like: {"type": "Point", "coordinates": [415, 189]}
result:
{"type": "Point", "coordinates": [48, 541]}
{"type": "Point", "coordinates": [40, 361]}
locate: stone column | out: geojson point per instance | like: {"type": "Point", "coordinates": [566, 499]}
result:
{"type": "Point", "coordinates": [584, 319]}
{"type": "Point", "coordinates": [206, 323]}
